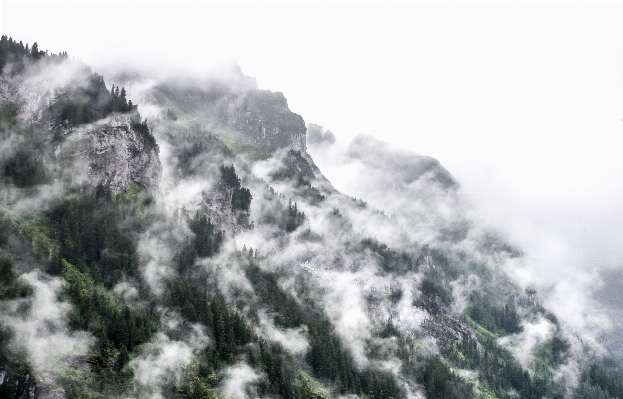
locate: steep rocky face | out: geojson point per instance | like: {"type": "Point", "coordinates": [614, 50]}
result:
{"type": "Point", "coordinates": [216, 204]}
{"type": "Point", "coordinates": [264, 117]}
{"type": "Point", "coordinates": [8, 91]}
{"type": "Point", "coordinates": [30, 100]}
{"type": "Point", "coordinates": [261, 116]}
{"type": "Point", "coordinates": [110, 150]}
{"type": "Point", "coordinates": [114, 153]}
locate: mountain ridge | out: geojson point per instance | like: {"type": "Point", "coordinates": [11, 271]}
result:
{"type": "Point", "coordinates": [204, 253]}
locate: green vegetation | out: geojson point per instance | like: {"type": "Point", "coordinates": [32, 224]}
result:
{"type": "Point", "coordinates": [228, 328]}
{"type": "Point", "coordinates": [88, 238]}
{"type": "Point", "coordinates": [87, 230]}
{"type": "Point", "coordinates": [327, 356]}
{"type": "Point", "coordinates": [241, 198]}
{"type": "Point", "coordinates": [501, 320]}
{"type": "Point", "coordinates": [84, 104]}
{"type": "Point", "coordinates": [24, 169]}
{"type": "Point", "coordinates": [498, 371]}
{"type": "Point", "coordinates": [295, 162]}
{"type": "Point", "coordinates": [229, 176]}
{"type": "Point", "coordinates": [118, 328]}
{"type": "Point", "coordinates": [207, 239]}
{"type": "Point", "coordinates": [209, 144]}
{"type": "Point", "coordinates": [434, 296]}
{"type": "Point", "coordinates": [311, 388]}
{"type": "Point", "coordinates": [391, 261]}
{"type": "Point", "coordinates": [141, 128]}
{"type": "Point", "coordinates": [93, 254]}
{"type": "Point", "coordinates": [440, 382]}
{"type": "Point", "coordinates": [444, 269]}
{"type": "Point", "coordinates": [20, 55]}
{"type": "Point", "coordinates": [10, 287]}
{"type": "Point", "coordinates": [292, 217]}
{"type": "Point", "coordinates": [597, 383]}
{"type": "Point", "coordinates": [133, 194]}
{"type": "Point", "coordinates": [285, 218]}
{"type": "Point", "coordinates": [8, 115]}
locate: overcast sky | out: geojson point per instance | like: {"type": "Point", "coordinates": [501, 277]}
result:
{"type": "Point", "coordinates": [521, 101]}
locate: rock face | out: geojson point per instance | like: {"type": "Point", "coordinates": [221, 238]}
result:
{"type": "Point", "coordinates": [447, 329]}
{"type": "Point", "coordinates": [111, 151]}
{"type": "Point", "coordinates": [31, 101]}
{"type": "Point", "coordinates": [264, 117]}
{"type": "Point", "coordinates": [116, 154]}
{"type": "Point", "coordinates": [216, 205]}
{"type": "Point", "coordinates": [301, 163]}
{"type": "Point", "coordinates": [8, 91]}
{"type": "Point", "coordinates": [261, 116]}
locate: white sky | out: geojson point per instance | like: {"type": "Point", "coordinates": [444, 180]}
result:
{"type": "Point", "coordinates": [521, 101]}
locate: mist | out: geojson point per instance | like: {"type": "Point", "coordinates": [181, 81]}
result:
{"type": "Point", "coordinates": [490, 138]}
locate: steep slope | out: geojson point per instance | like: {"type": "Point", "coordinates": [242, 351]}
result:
{"type": "Point", "coordinates": [116, 154]}
{"type": "Point", "coordinates": [112, 147]}
{"type": "Point", "coordinates": [205, 255]}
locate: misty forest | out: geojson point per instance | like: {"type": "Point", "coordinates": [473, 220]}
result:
{"type": "Point", "coordinates": [174, 239]}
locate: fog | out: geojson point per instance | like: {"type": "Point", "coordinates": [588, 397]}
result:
{"type": "Point", "coordinates": [521, 104]}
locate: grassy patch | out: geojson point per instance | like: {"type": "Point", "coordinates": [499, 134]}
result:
{"type": "Point", "coordinates": [486, 394]}
{"type": "Point", "coordinates": [480, 330]}
{"type": "Point", "coordinates": [133, 194]}
{"type": "Point", "coordinates": [38, 231]}
{"type": "Point", "coordinates": [311, 387]}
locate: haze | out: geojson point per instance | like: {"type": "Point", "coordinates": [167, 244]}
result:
{"type": "Point", "coordinates": [521, 102]}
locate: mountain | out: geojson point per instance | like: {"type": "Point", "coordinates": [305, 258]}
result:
{"type": "Point", "coordinates": [176, 239]}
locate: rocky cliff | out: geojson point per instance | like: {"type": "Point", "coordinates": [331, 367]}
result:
{"type": "Point", "coordinates": [264, 117]}
{"type": "Point", "coordinates": [109, 150]}
{"type": "Point", "coordinates": [216, 204]}
{"type": "Point", "coordinates": [30, 99]}
{"type": "Point", "coordinates": [113, 152]}
{"type": "Point", "coordinates": [261, 116]}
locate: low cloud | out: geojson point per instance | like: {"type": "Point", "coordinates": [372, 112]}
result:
{"type": "Point", "coordinates": [38, 321]}
{"type": "Point", "coordinates": [238, 381]}
{"type": "Point", "coordinates": [292, 339]}
{"type": "Point", "coordinates": [161, 361]}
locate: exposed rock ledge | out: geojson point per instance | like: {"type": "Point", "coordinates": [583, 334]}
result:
{"type": "Point", "coordinates": [115, 154]}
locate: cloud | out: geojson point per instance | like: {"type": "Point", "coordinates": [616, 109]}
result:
{"type": "Point", "coordinates": [292, 339]}
{"type": "Point", "coordinates": [523, 344]}
{"type": "Point", "coordinates": [161, 361]}
{"type": "Point", "coordinates": [38, 321]}
{"type": "Point", "coordinates": [317, 136]}
{"type": "Point", "coordinates": [238, 381]}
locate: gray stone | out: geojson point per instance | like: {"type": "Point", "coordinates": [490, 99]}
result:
{"type": "Point", "coordinates": [116, 154]}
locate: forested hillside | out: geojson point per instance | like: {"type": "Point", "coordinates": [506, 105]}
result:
{"type": "Point", "coordinates": [201, 253]}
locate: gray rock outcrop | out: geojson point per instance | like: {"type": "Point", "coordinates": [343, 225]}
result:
{"type": "Point", "coordinates": [216, 204]}
{"type": "Point", "coordinates": [114, 153]}
{"type": "Point", "coordinates": [261, 116]}
{"type": "Point", "coordinates": [264, 117]}
{"type": "Point", "coordinates": [30, 99]}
